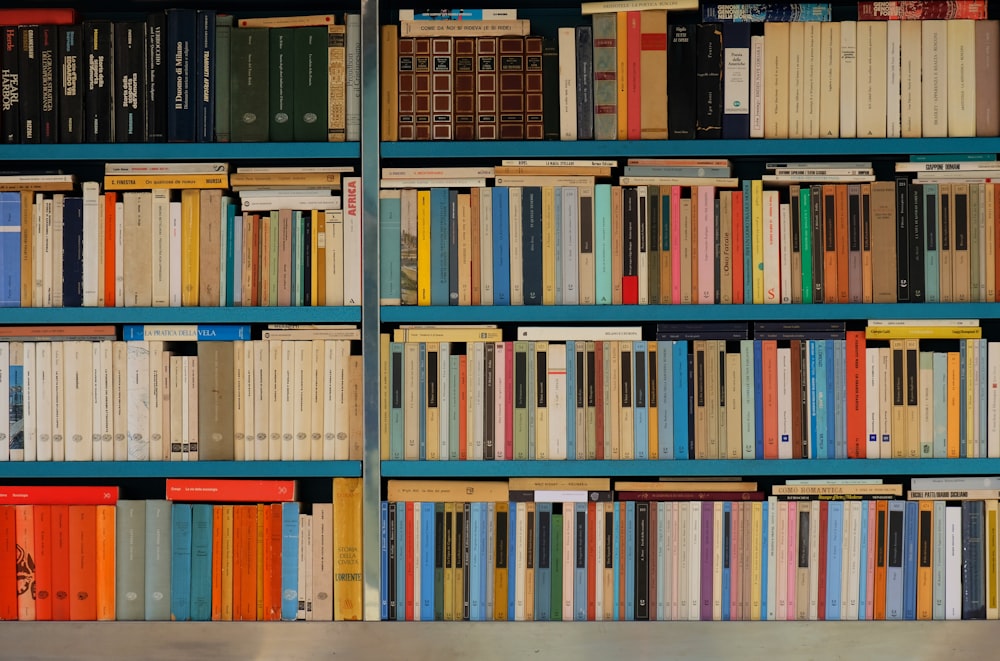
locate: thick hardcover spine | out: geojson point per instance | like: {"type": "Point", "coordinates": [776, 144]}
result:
{"type": "Point", "coordinates": [48, 55]}
{"type": "Point", "coordinates": [736, 85]}
{"type": "Point", "coordinates": [10, 117]}
{"type": "Point", "coordinates": [534, 86]}
{"type": "Point", "coordinates": [681, 98]}
{"type": "Point", "coordinates": [156, 77]}
{"type": "Point", "coordinates": [29, 63]}
{"type": "Point", "coordinates": [130, 81]}
{"type": "Point", "coordinates": [585, 82]}
{"type": "Point", "coordinates": [182, 36]}
{"type": "Point", "coordinates": [249, 85]}
{"type": "Point", "coordinates": [311, 60]}
{"type": "Point", "coordinates": [605, 33]}
{"type": "Point", "coordinates": [204, 79]}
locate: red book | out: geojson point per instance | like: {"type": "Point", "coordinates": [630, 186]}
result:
{"type": "Point", "coordinates": [856, 395]}
{"type": "Point", "coordinates": [737, 260]}
{"type": "Point", "coordinates": [408, 545]}
{"type": "Point", "coordinates": [634, 33]}
{"type": "Point", "coordinates": [93, 331]}
{"type": "Point", "coordinates": [821, 591]}
{"type": "Point", "coordinates": [43, 561]}
{"type": "Point", "coordinates": [38, 16]}
{"type": "Point", "coordinates": [25, 537]}
{"type": "Point", "coordinates": [60, 562]}
{"type": "Point", "coordinates": [83, 562]}
{"type": "Point", "coordinates": [230, 491]}
{"type": "Point", "coordinates": [8, 564]}
{"type": "Point", "coordinates": [110, 243]}
{"type": "Point", "coordinates": [591, 561]}
{"type": "Point", "coordinates": [769, 396]}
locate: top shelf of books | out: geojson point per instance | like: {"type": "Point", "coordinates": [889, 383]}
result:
{"type": "Point", "coordinates": [215, 151]}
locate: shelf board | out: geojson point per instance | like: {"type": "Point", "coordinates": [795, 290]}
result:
{"type": "Point", "coordinates": [555, 314]}
{"type": "Point", "coordinates": [162, 151]}
{"type": "Point", "coordinates": [213, 315]}
{"type": "Point", "coordinates": [731, 148]}
{"type": "Point", "coordinates": [692, 468]}
{"type": "Point", "coordinates": [111, 470]}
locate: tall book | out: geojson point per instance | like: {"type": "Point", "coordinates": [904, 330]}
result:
{"type": "Point", "coordinates": [653, 63]}
{"type": "Point", "coordinates": [709, 104]}
{"type": "Point", "coordinates": [605, 32]}
{"type": "Point", "coordinates": [249, 84]}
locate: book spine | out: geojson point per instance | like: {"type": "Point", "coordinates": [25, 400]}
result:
{"type": "Point", "coordinates": [10, 117]}
{"type": "Point", "coordinates": [204, 75]}
{"type": "Point", "coordinates": [534, 88]}
{"type": "Point", "coordinates": [156, 77]}
{"type": "Point", "coordinates": [182, 36]}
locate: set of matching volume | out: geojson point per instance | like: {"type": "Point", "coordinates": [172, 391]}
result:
{"type": "Point", "coordinates": [623, 73]}
{"type": "Point", "coordinates": [213, 550]}
{"type": "Point", "coordinates": [551, 550]}
{"type": "Point", "coordinates": [181, 234]}
{"type": "Point", "coordinates": [179, 393]}
{"type": "Point", "coordinates": [179, 75]}
{"type": "Point", "coordinates": [679, 231]}
{"type": "Point", "coordinates": [914, 389]}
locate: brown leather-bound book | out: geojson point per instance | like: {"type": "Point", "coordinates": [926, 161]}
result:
{"type": "Point", "coordinates": [534, 97]}
{"type": "Point", "coordinates": [422, 87]}
{"type": "Point", "coordinates": [465, 88]}
{"type": "Point", "coordinates": [442, 114]}
{"type": "Point", "coordinates": [407, 87]}
{"type": "Point", "coordinates": [511, 87]}
{"type": "Point", "coordinates": [390, 82]}
{"type": "Point", "coordinates": [486, 89]}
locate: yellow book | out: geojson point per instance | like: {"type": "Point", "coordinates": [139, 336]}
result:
{"type": "Point", "coordinates": [925, 564]}
{"type": "Point", "coordinates": [622, 78]}
{"type": "Point", "coordinates": [348, 580]}
{"type": "Point", "coordinates": [923, 332]}
{"type": "Point", "coordinates": [173, 181]}
{"type": "Point", "coordinates": [548, 245]}
{"type": "Point", "coordinates": [501, 572]}
{"type": "Point", "coordinates": [190, 253]}
{"type": "Point", "coordinates": [954, 400]}
{"type": "Point", "coordinates": [423, 247]}
{"type": "Point", "coordinates": [756, 558]}
{"type": "Point", "coordinates": [448, 581]}
{"type": "Point", "coordinates": [992, 607]}
{"type": "Point", "coordinates": [465, 261]}
{"type": "Point", "coordinates": [757, 239]}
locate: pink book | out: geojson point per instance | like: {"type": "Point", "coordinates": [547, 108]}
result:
{"type": "Point", "coordinates": [634, 32]}
{"type": "Point", "coordinates": [675, 244]}
{"type": "Point", "coordinates": [737, 260]}
{"type": "Point", "coordinates": [792, 564]}
{"type": "Point", "coordinates": [508, 412]}
{"type": "Point", "coordinates": [735, 610]}
{"type": "Point", "coordinates": [706, 244]}
{"type": "Point", "coordinates": [500, 400]}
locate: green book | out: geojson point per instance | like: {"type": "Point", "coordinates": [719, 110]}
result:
{"type": "Point", "coordinates": [223, 33]}
{"type": "Point", "coordinates": [281, 106]}
{"type": "Point", "coordinates": [555, 561]}
{"type": "Point", "coordinates": [130, 560]}
{"type": "Point", "coordinates": [805, 239]}
{"type": "Point", "coordinates": [249, 85]}
{"type": "Point", "coordinates": [521, 400]}
{"type": "Point", "coordinates": [311, 105]}
{"type": "Point", "coordinates": [159, 525]}
{"type": "Point", "coordinates": [653, 241]}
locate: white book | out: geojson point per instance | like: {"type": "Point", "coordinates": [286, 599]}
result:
{"type": "Point", "coordinates": [579, 333]}
{"type": "Point", "coordinates": [717, 553]}
{"type": "Point", "coordinates": [953, 563]}
{"type": "Point", "coordinates": [341, 414]}
{"type": "Point", "coordinates": [103, 409]}
{"type": "Point", "coordinates": [305, 566]}
{"type": "Point", "coordinates": [872, 74]}
{"type": "Point", "coordinates": [4, 401]}
{"type": "Point", "coordinates": [961, 78]}
{"type": "Point", "coordinates": [781, 562]}
{"type": "Point", "coordinates": [275, 396]}
{"type": "Point", "coordinates": [42, 240]}
{"type": "Point", "coordinates": [757, 86]}
{"type": "Point", "coordinates": [119, 397]}
{"type": "Point", "coordinates": [288, 372]}
{"type": "Point", "coordinates": [848, 79]}
{"type": "Point", "coordinates": [155, 400]}
{"type": "Point", "coordinates": [486, 246]}
{"type": "Point", "coordinates": [335, 257]}
{"type": "Point", "coordinates": [571, 245]}
{"type": "Point", "coordinates": [239, 403]}
{"type": "Point", "coordinates": [772, 249]}
{"type": "Point", "coordinates": [925, 383]}
{"type": "Point", "coordinates": [414, 551]}
{"type": "Point", "coordinates": [57, 249]}
{"type": "Point", "coordinates": [992, 400]}
{"type": "Point", "coordinates": [174, 296]}
{"type": "Point", "coordinates": [569, 538]}
{"type": "Point", "coordinates": [477, 383]}
{"type": "Point", "coordinates": [78, 363]}
{"type": "Point", "coordinates": [694, 561]}
{"type": "Point", "coordinates": [444, 401]}
{"type": "Point", "coordinates": [972, 397]}
{"type": "Point", "coordinates": [910, 79]}
{"type": "Point", "coordinates": [748, 412]}
{"type": "Point", "coordinates": [829, 77]}
{"type": "Point", "coordinates": [813, 560]}
{"type": "Point", "coordinates": [352, 76]}
{"type": "Point", "coordinates": [302, 401]}
{"type": "Point", "coordinates": [193, 451]}
{"type": "Point", "coordinates": [785, 250]}
{"type": "Point", "coordinates": [893, 79]}
{"type": "Point", "coordinates": [557, 400]}
{"type": "Point", "coordinates": [137, 391]}
{"type": "Point", "coordinates": [179, 406]}
{"type": "Point", "coordinates": [120, 253]}
{"type": "Point", "coordinates": [934, 73]}
{"type": "Point", "coordinates": [499, 399]}
{"type": "Point", "coordinates": [248, 379]}
{"type": "Point", "coordinates": [329, 386]}
{"type": "Point", "coordinates": [43, 401]}
{"type": "Point", "coordinates": [91, 265]}
{"type": "Point", "coordinates": [323, 555]}
{"type": "Point", "coordinates": [784, 403]}
{"type": "Point", "coordinates": [260, 404]}
{"type": "Point", "coordinates": [352, 240]}
{"type": "Point", "coordinates": [277, 201]}
{"type": "Point", "coordinates": [161, 247]}
{"type": "Point", "coordinates": [57, 383]}
{"type": "Point", "coordinates": [520, 560]}
{"type": "Point", "coordinates": [567, 83]}
{"type": "Point", "coordinates": [683, 565]}
{"type": "Point", "coordinates": [938, 559]}
{"type": "Point", "coordinates": [885, 403]}
{"type": "Point", "coordinates": [166, 393]}
{"type": "Point", "coordinates": [30, 403]}
{"type": "Point", "coordinates": [852, 550]}
{"type": "Point", "coordinates": [514, 232]}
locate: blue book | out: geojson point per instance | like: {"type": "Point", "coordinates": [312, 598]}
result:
{"type": "Point", "coordinates": [159, 554]}
{"type": "Point", "coordinates": [910, 529]}
{"type": "Point", "coordinates": [422, 402]}
{"type": "Point", "coordinates": [894, 561]}
{"type": "Point", "coordinates": [389, 211]}
{"type": "Point", "coordinates": [182, 38]}
{"type": "Point", "coordinates": [531, 244]}
{"type": "Point", "coordinates": [454, 364]}
{"type": "Point", "coordinates": [488, 566]}
{"type": "Point", "coordinates": [201, 562]}
{"type": "Point", "coordinates": [813, 393]}
{"type": "Point", "coordinates": [748, 245]}
{"type": "Point", "coordinates": [932, 230]}
{"type": "Point", "coordinates": [832, 399]}
{"type": "Point", "coordinates": [823, 392]}
{"type": "Point", "coordinates": [640, 415]}
{"type": "Point", "coordinates": [384, 558]}
{"type": "Point", "coordinates": [15, 375]}
{"type": "Point", "coordinates": [748, 412]}
{"type": "Point", "coordinates": [10, 250]}
{"type": "Point", "coordinates": [572, 396]}
{"type": "Point", "coordinates": [863, 586]}
{"type": "Point", "coordinates": [427, 563]}
{"type": "Point", "coordinates": [187, 332]}
{"type": "Point", "coordinates": [204, 76]}
{"type": "Point", "coordinates": [180, 562]}
{"type": "Point", "coordinates": [629, 560]}
{"type": "Point", "coordinates": [501, 246]}
{"type": "Point", "coordinates": [680, 403]}
{"type": "Point", "coordinates": [543, 561]}
{"type": "Point", "coordinates": [763, 558]}
{"type": "Point", "coordinates": [963, 394]}
{"type": "Point", "coordinates": [727, 530]}
{"type": "Point", "coordinates": [602, 244]}
{"type": "Point", "coordinates": [511, 562]}
{"type": "Point", "coordinates": [834, 560]}
{"type": "Point", "coordinates": [452, 249]}
{"type": "Point", "coordinates": [579, 562]}
{"type": "Point", "coordinates": [396, 366]}
{"type": "Point", "coordinates": [840, 385]}
{"type": "Point", "coordinates": [973, 560]}
{"type": "Point", "coordinates": [227, 265]}
{"type": "Point", "coordinates": [289, 561]}
{"type": "Point", "coordinates": [558, 227]}
{"type": "Point", "coordinates": [758, 389]}
{"type": "Point", "coordinates": [616, 557]}
{"type": "Point", "coordinates": [72, 245]}
{"type": "Point", "coordinates": [237, 250]}
{"type": "Point", "coordinates": [400, 561]}
{"type": "Point", "coordinates": [440, 226]}
{"type": "Point", "coordinates": [477, 556]}
{"type": "Point", "coordinates": [665, 399]}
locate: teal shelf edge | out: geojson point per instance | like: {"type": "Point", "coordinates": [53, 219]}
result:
{"type": "Point", "coordinates": [227, 315]}
{"type": "Point", "coordinates": [728, 148]}
{"type": "Point", "coordinates": [554, 314]}
{"type": "Point", "coordinates": [110, 470]}
{"type": "Point", "coordinates": [692, 468]}
{"type": "Point", "coordinates": [159, 151]}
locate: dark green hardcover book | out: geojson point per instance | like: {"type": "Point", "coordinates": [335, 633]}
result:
{"type": "Point", "coordinates": [248, 86]}
{"type": "Point", "coordinates": [223, 33]}
{"type": "Point", "coordinates": [310, 65]}
{"type": "Point", "coordinates": [556, 556]}
{"type": "Point", "coordinates": [281, 55]}
{"type": "Point", "coordinates": [550, 88]}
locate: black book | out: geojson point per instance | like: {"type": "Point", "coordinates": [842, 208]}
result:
{"type": "Point", "coordinates": [73, 255]}
{"type": "Point", "coordinates": [182, 37]}
{"type": "Point", "coordinates": [130, 81]}
{"type": "Point", "coordinates": [29, 63]}
{"type": "Point", "coordinates": [708, 123]}
{"type": "Point", "coordinates": [550, 88]}
{"type": "Point", "coordinates": [391, 561]}
{"type": "Point", "coordinates": [579, 551]}
{"type": "Point", "coordinates": [653, 242]}
{"type": "Point", "coordinates": [439, 549]}
{"type": "Point", "coordinates": [489, 393]}
{"type": "Point", "coordinates": [585, 82]}
{"type": "Point", "coordinates": [973, 565]}
{"type": "Point", "coordinates": [642, 561]}
{"type": "Point", "coordinates": [816, 204]}
{"type": "Point", "coordinates": [693, 330]}
{"type": "Point", "coordinates": [915, 234]}
{"type": "Point", "coordinates": [902, 239]}
{"type": "Point", "coordinates": [543, 558]}
{"type": "Point", "coordinates": [10, 111]}
{"type": "Point", "coordinates": [691, 404]}
{"type": "Point", "coordinates": [736, 113]}
{"type": "Point", "coordinates": [531, 242]}
{"type": "Point", "coordinates": [682, 56]}
{"type": "Point", "coordinates": [630, 243]}
{"type": "Point", "coordinates": [156, 77]}
{"type": "Point", "coordinates": [100, 74]}
{"type": "Point", "coordinates": [204, 83]}
{"type": "Point", "coordinates": [72, 72]}
{"type": "Point", "coordinates": [48, 58]}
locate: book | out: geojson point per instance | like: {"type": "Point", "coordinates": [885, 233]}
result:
{"type": "Point", "coordinates": [212, 490]}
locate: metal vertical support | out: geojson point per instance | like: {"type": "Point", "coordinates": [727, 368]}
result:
{"type": "Point", "coordinates": [370, 467]}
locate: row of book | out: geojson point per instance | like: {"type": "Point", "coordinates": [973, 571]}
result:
{"type": "Point", "coordinates": [488, 551]}
{"type": "Point", "coordinates": [696, 392]}
{"type": "Point", "coordinates": [158, 396]}
{"type": "Point", "coordinates": [570, 241]}
{"type": "Point", "coordinates": [632, 75]}
{"type": "Point", "coordinates": [163, 243]}
{"type": "Point", "coordinates": [81, 553]}
{"type": "Point", "coordinates": [180, 75]}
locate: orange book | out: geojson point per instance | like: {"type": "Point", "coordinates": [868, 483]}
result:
{"type": "Point", "coordinates": [192, 490]}
{"type": "Point", "coordinates": [8, 563]}
{"type": "Point", "coordinates": [105, 561]}
{"type": "Point", "coordinates": [190, 253]}
{"type": "Point", "coordinates": [463, 402]}
{"type": "Point", "coordinates": [239, 533]}
{"type": "Point", "coordinates": [954, 403]}
{"type": "Point", "coordinates": [25, 536]}
{"type": "Point", "coordinates": [263, 518]}
{"type": "Point", "coordinates": [83, 562]}
{"type": "Point", "coordinates": [110, 243]}
{"type": "Point", "coordinates": [769, 385]}
{"type": "Point", "coordinates": [856, 395]}
{"type": "Point", "coordinates": [925, 565]}
{"type": "Point", "coordinates": [43, 561]}
{"type": "Point", "coordinates": [843, 244]}
{"type": "Point", "coordinates": [272, 572]}
{"type": "Point", "coordinates": [245, 571]}
{"type": "Point", "coordinates": [217, 563]}
{"type": "Point", "coordinates": [881, 553]}
{"type": "Point", "coordinates": [60, 562]}
{"type": "Point", "coordinates": [591, 561]}
{"type": "Point", "coordinates": [227, 562]}
{"type": "Point", "coordinates": [829, 245]}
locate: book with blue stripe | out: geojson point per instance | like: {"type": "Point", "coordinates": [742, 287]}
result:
{"type": "Point", "coordinates": [10, 250]}
{"type": "Point", "coordinates": [159, 552]}
{"type": "Point", "coordinates": [973, 560]}
{"type": "Point", "coordinates": [180, 562]}
{"type": "Point", "coordinates": [572, 396]}
{"type": "Point", "coordinates": [680, 402]}
{"type": "Point", "coordinates": [580, 562]}
{"type": "Point", "coordinates": [839, 386]}
{"type": "Point", "coordinates": [543, 561]}
{"type": "Point", "coordinates": [476, 559]}
{"type": "Point", "coordinates": [384, 560]}
{"type": "Point", "coordinates": [289, 561]}
{"type": "Point", "coordinates": [201, 562]}
{"type": "Point", "coordinates": [186, 332]}
{"type": "Point", "coordinates": [910, 530]}
{"type": "Point", "coordinates": [834, 558]}
{"type": "Point", "coordinates": [501, 246]}
{"type": "Point", "coordinates": [894, 561]}
{"type": "Point", "coordinates": [629, 560]}
{"type": "Point", "coordinates": [665, 399]}
{"type": "Point", "coordinates": [428, 565]}
{"type": "Point", "coordinates": [440, 227]}
{"type": "Point", "coordinates": [602, 244]}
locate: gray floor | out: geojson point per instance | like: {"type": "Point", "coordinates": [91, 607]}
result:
{"type": "Point", "coordinates": [773, 641]}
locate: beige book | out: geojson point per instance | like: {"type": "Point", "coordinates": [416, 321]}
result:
{"type": "Point", "coordinates": [248, 383]}
{"type": "Point", "coordinates": [567, 83]}
{"type": "Point", "coordinates": [464, 249]}
{"type": "Point", "coordinates": [559, 484]}
{"type": "Point", "coordinates": [733, 408]}
{"type": "Point", "coordinates": [711, 399]}
{"type": "Point", "coordinates": [776, 80]}
{"type": "Point", "coordinates": [613, 402]}
{"type": "Point", "coordinates": [837, 489]}
{"type": "Point", "coordinates": [137, 265]}
{"type": "Point", "coordinates": [275, 399]}
{"type": "Point", "coordinates": [848, 79]}
{"type": "Point", "coordinates": [934, 74]}
{"type": "Point", "coordinates": [892, 78]}
{"type": "Point", "coordinates": [516, 261]}
{"type": "Point", "coordinates": [829, 78]}
{"type": "Point", "coordinates": [355, 424]}
{"type": "Point", "coordinates": [261, 399]}
{"type": "Point", "coordinates": [872, 79]}
{"type": "Point", "coordinates": [961, 78]}
{"type": "Point", "coordinates": [989, 211]}
{"type": "Point", "coordinates": [411, 419]}
{"type": "Point", "coordinates": [210, 249]}
{"type": "Point", "coordinates": [322, 561]}
{"type": "Point", "coordinates": [910, 79]}
{"type": "Point", "coordinates": [987, 72]}
{"type": "Point", "coordinates": [796, 77]}
{"type": "Point", "coordinates": [813, 73]}
{"type": "Point", "coordinates": [652, 65]}
{"type": "Point", "coordinates": [468, 28]}
{"type": "Point", "coordinates": [438, 491]}
{"type": "Point", "coordinates": [883, 223]}
{"type": "Point", "coordinates": [317, 403]}
{"type": "Point", "coordinates": [667, 485]}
